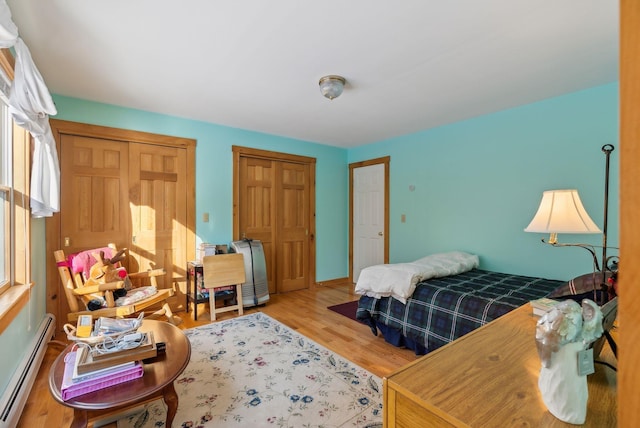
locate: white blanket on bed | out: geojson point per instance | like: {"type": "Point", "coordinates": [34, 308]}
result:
{"type": "Point", "coordinates": [399, 280]}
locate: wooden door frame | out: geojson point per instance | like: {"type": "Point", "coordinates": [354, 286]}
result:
{"type": "Point", "coordinates": [385, 161]}
{"type": "Point", "coordinates": [239, 152]}
{"type": "Point", "coordinates": [52, 224]}
{"type": "Point", "coordinates": [628, 314]}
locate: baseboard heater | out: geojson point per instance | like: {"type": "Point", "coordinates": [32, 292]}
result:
{"type": "Point", "coordinates": [17, 392]}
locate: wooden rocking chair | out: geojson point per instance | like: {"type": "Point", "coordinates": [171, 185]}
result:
{"type": "Point", "coordinates": [93, 283]}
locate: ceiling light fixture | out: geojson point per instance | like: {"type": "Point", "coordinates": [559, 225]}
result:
{"type": "Point", "coordinates": [331, 86]}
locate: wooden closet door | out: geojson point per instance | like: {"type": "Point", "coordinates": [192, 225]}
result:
{"type": "Point", "coordinates": [94, 193]}
{"type": "Point", "coordinates": [94, 203]}
{"type": "Point", "coordinates": [132, 188]}
{"type": "Point", "coordinates": [158, 209]}
{"type": "Point", "coordinates": [274, 202]}
{"type": "Point", "coordinates": [257, 208]}
{"type": "Point", "coordinates": [293, 226]}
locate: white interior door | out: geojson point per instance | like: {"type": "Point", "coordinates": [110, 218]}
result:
{"type": "Point", "coordinates": [368, 217]}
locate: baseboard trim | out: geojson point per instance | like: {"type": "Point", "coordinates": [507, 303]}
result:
{"type": "Point", "coordinates": [334, 282]}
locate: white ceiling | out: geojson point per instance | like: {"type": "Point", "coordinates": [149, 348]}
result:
{"type": "Point", "coordinates": [410, 65]}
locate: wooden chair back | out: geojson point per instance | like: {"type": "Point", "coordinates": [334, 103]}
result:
{"type": "Point", "coordinates": [73, 281]}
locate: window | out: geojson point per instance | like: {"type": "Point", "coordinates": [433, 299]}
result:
{"type": "Point", "coordinates": [15, 220]}
{"type": "Point", "coordinates": [6, 184]}
{"type": "Point", "coordinates": [14, 215]}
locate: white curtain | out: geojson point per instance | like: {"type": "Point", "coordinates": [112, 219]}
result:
{"type": "Point", "coordinates": [30, 105]}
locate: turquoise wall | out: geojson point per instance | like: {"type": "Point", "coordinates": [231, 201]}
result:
{"type": "Point", "coordinates": [17, 337]}
{"type": "Point", "coordinates": [478, 183]}
{"type": "Point", "coordinates": [214, 170]}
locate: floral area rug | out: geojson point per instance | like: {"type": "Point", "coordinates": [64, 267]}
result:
{"type": "Point", "coordinates": [253, 371]}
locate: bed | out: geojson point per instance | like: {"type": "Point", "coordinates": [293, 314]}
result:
{"type": "Point", "coordinates": [442, 308]}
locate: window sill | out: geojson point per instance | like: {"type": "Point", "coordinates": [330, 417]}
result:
{"type": "Point", "coordinates": [11, 303]}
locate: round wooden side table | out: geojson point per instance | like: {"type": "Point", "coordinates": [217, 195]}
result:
{"type": "Point", "coordinates": [156, 382]}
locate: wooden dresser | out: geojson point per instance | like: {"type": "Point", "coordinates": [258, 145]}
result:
{"type": "Point", "coordinates": [488, 378]}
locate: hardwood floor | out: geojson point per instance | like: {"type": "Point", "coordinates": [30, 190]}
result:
{"type": "Point", "coordinates": [304, 311]}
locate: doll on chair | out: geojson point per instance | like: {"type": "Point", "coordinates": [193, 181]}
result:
{"type": "Point", "coordinates": [105, 271]}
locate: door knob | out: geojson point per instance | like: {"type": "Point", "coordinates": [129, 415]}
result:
{"type": "Point", "coordinates": [379, 233]}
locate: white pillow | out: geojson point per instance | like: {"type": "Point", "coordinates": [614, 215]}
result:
{"type": "Point", "coordinates": [451, 263]}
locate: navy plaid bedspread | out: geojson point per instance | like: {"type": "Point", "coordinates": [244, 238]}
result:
{"type": "Point", "coordinates": [444, 309]}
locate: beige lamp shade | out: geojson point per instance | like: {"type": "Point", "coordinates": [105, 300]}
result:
{"type": "Point", "coordinates": [561, 211]}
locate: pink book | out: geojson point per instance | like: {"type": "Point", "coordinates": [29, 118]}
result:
{"type": "Point", "coordinates": [92, 382]}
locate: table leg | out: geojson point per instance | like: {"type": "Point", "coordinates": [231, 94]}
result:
{"type": "Point", "coordinates": [80, 419]}
{"type": "Point", "coordinates": [171, 400]}
{"type": "Point", "coordinates": [195, 301]}
{"type": "Point", "coordinates": [186, 296]}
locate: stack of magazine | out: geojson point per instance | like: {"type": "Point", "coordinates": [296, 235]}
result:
{"type": "Point", "coordinates": [93, 367]}
{"type": "Point", "coordinates": [73, 386]}
{"type": "Point", "coordinates": [542, 306]}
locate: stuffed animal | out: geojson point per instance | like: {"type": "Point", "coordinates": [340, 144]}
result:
{"type": "Point", "coordinates": [105, 271]}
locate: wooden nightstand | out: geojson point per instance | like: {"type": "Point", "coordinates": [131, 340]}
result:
{"type": "Point", "coordinates": [488, 378]}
